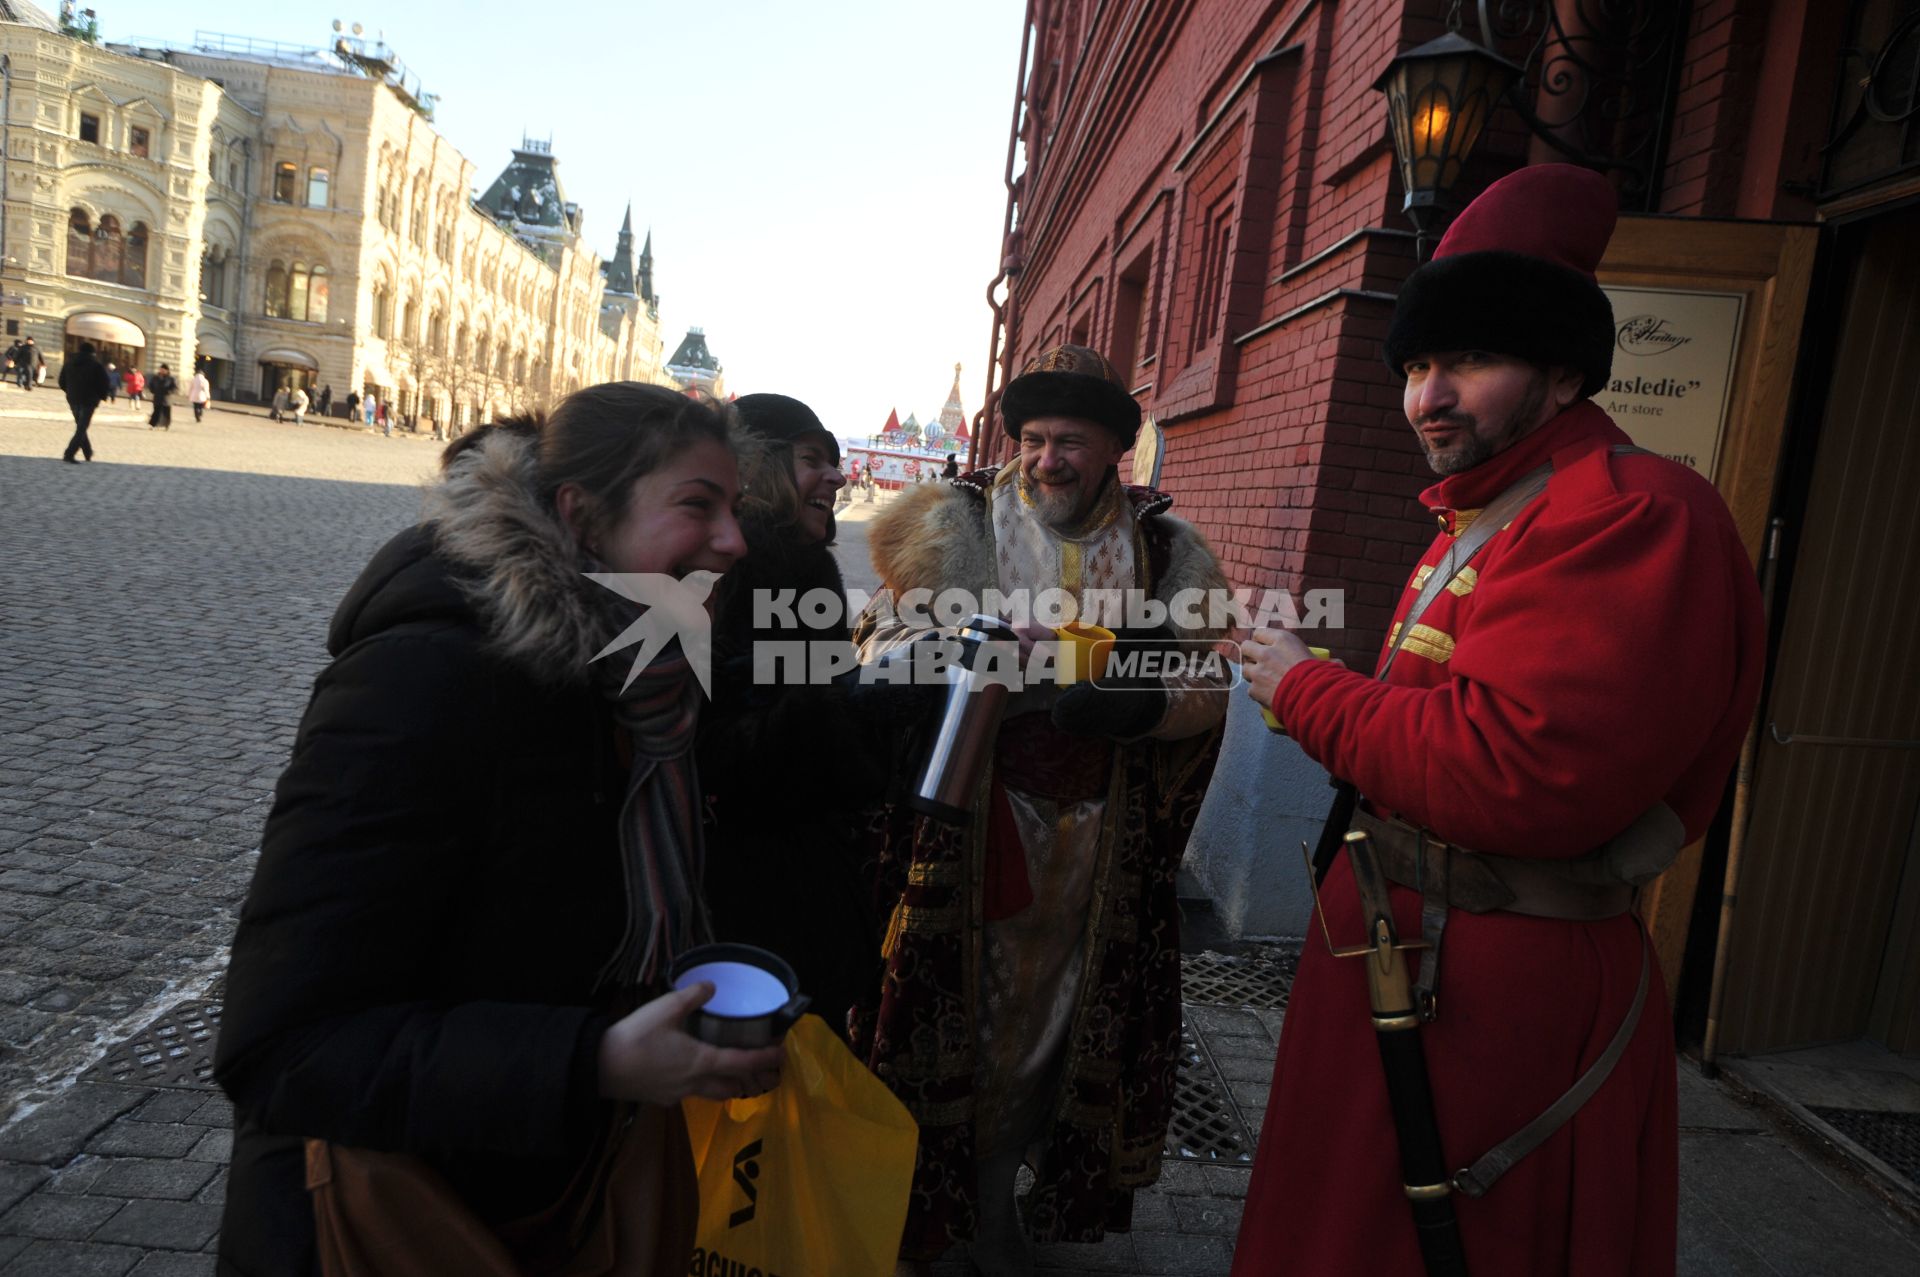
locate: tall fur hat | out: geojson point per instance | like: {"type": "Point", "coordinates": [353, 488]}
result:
{"type": "Point", "coordinates": [1071, 381]}
{"type": "Point", "coordinates": [783, 419]}
{"type": "Point", "coordinates": [1514, 275]}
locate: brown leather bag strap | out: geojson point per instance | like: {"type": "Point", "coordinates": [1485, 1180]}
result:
{"type": "Point", "coordinates": [1475, 1180]}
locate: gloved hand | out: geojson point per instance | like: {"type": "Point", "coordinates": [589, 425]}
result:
{"type": "Point", "coordinates": [1123, 708]}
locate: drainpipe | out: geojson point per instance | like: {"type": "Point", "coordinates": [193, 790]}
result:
{"type": "Point", "coordinates": [1000, 344]}
{"type": "Point", "coordinates": [238, 307]}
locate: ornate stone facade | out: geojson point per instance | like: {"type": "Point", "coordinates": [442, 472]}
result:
{"type": "Point", "coordinates": [291, 215]}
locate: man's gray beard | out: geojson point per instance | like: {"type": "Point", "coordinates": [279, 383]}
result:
{"type": "Point", "coordinates": [1053, 509]}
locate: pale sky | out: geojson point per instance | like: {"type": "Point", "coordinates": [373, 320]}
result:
{"type": "Point", "coordinates": [823, 180]}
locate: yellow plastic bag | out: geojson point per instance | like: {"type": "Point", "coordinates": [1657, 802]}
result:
{"type": "Point", "coordinates": [808, 1180]}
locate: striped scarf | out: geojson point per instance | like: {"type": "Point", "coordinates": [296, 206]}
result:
{"type": "Point", "coordinates": [661, 848]}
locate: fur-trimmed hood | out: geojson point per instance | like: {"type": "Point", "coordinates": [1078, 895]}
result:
{"type": "Point", "coordinates": [515, 562]}
{"type": "Point", "coordinates": [939, 536]}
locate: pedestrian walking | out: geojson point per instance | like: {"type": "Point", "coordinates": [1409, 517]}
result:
{"type": "Point", "coordinates": [1569, 708]}
{"type": "Point", "coordinates": [353, 405]}
{"type": "Point", "coordinates": [32, 366]}
{"type": "Point", "coordinates": [85, 384]}
{"type": "Point", "coordinates": [324, 404]}
{"type": "Point", "coordinates": [135, 384]}
{"type": "Point", "coordinates": [420, 992]}
{"type": "Point", "coordinates": [161, 387]}
{"type": "Point", "coordinates": [113, 382]}
{"type": "Point", "coordinates": [297, 405]}
{"type": "Point", "coordinates": [199, 391]}
{"type": "Point", "coordinates": [384, 415]}
{"type": "Point", "coordinates": [277, 410]}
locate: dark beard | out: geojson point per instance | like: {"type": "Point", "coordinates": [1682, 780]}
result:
{"type": "Point", "coordinates": [1475, 449]}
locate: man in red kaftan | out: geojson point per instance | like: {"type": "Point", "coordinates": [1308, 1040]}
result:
{"type": "Point", "coordinates": [1599, 657]}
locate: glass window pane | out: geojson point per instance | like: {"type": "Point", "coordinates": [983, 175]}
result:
{"type": "Point", "coordinates": [317, 296]}
{"type": "Point", "coordinates": [138, 142]}
{"type": "Point", "coordinates": [283, 177]}
{"type": "Point", "coordinates": [106, 250]}
{"type": "Point", "coordinates": [277, 291]}
{"type": "Point", "coordinates": [317, 180]}
{"type": "Point", "coordinates": [133, 266]}
{"type": "Point", "coordinates": [297, 292]}
{"type": "Point", "coordinates": [89, 128]}
{"type": "Point", "coordinates": [79, 242]}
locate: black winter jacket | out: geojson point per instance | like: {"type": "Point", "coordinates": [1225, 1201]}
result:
{"type": "Point", "coordinates": [84, 378]}
{"type": "Point", "coordinates": [439, 884]}
{"type": "Point", "coordinates": [788, 773]}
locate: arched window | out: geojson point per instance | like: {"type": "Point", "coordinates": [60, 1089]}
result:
{"type": "Point", "coordinates": [133, 264]}
{"type": "Point", "coordinates": [318, 289]}
{"type": "Point", "coordinates": [108, 249]}
{"type": "Point", "coordinates": [79, 243]}
{"type": "Point", "coordinates": [382, 309]}
{"type": "Point", "coordinates": [520, 366]}
{"type": "Point", "coordinates": [297, 279]}
{"type": "Point", "coordinates": [409, 320]}
{"type": "Point", "coordinates": [436, 332]}
{"type": "Point", "coordinates": [285, 174]}
{"type": "Point", "coordinates": [480, 351]}
{"type": "Point", "coordinates": [277, 281]}
{"type": "Point", "coordinates": [213, 276]}
{"type": "Point", "coordinates": [318, 180]}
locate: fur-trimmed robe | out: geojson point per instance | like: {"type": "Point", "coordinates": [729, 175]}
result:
{"type": "Point", "coordinates": [1107, 1112]}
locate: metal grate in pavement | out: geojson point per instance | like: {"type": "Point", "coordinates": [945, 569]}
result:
{"type": "Point", "coordinates": [1894, 1138]}
{"type": "Point", "coordinates": [1206, 1127]}
{"type": "Point", "coordinates": [1217, 979]}
{"type": "Point", "coordinates": [175, 1050]}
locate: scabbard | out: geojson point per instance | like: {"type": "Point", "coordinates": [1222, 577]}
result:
{"type": "Point", "coordinates": [1396, 1024]}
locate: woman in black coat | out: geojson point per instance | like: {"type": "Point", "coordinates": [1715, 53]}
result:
{"type": "Point", "coordinates": [791, 769]}
{"type": "Point", "coordinates": [485, 850]}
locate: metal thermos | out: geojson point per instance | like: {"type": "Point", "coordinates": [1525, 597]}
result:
{"type": "Point", "coordinates": [969, 720]}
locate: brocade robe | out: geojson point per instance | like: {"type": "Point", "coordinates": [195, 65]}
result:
{"type": "Point", "coordinates": [1032, 998]}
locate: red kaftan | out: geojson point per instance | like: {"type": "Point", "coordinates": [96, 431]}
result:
{"type": "Point", "coordinates": [1603, 653]}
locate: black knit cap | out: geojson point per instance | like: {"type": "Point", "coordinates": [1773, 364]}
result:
{"type": "Point", "coordinates": [783, 419]}
{"type": "Point", "coordinates": [1071, 381]}
{"type": "Point", "coordinates": [1515, 275]}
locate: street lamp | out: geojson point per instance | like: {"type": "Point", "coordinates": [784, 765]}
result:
{"type": "Point", "coordinates": [1439, 97]}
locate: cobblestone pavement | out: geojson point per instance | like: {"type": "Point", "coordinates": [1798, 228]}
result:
{"type": "Point", "coordinates": [162, 619]}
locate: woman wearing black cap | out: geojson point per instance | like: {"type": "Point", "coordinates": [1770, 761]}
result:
{"type": "Point", "coordinates": [789, 766]}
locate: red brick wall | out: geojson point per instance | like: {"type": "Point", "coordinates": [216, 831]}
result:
{"type": "Point", "coordinates": [1153, 129]}
{"type": "Point", "coordinates": [1285, 440]}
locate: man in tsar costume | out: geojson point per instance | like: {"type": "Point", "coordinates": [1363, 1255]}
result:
{"type": "Point", "coordinates": [1557, 721]}
{"type": "Point", "coordinates": [1031, 1003]}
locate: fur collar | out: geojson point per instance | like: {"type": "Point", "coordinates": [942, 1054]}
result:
{"type": "Point", "coordinates": [518, 564]}
{"type": "Point", "coordinates": [937, 535]}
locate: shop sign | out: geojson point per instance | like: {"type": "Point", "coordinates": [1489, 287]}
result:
{"type": "Point", "coordinates": [1673, 365]}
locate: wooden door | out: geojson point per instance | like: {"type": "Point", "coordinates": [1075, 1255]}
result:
{"type": "Point", "coordinates": [1826, 877]}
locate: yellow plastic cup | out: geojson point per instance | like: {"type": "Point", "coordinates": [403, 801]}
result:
{"type": "Point", "coordinates": [1084, 652]}
{"type": "Point", "coordinates": [1273, 724]}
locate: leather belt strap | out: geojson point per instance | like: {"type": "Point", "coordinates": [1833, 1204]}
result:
{"type": "Point", "coordinates": [1478, 883]}
{"type": "Point", "coordinates": [1475, 1180]}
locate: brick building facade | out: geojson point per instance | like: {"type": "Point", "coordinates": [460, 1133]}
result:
{"type": "Point", "coordinates": [1207, 191]}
